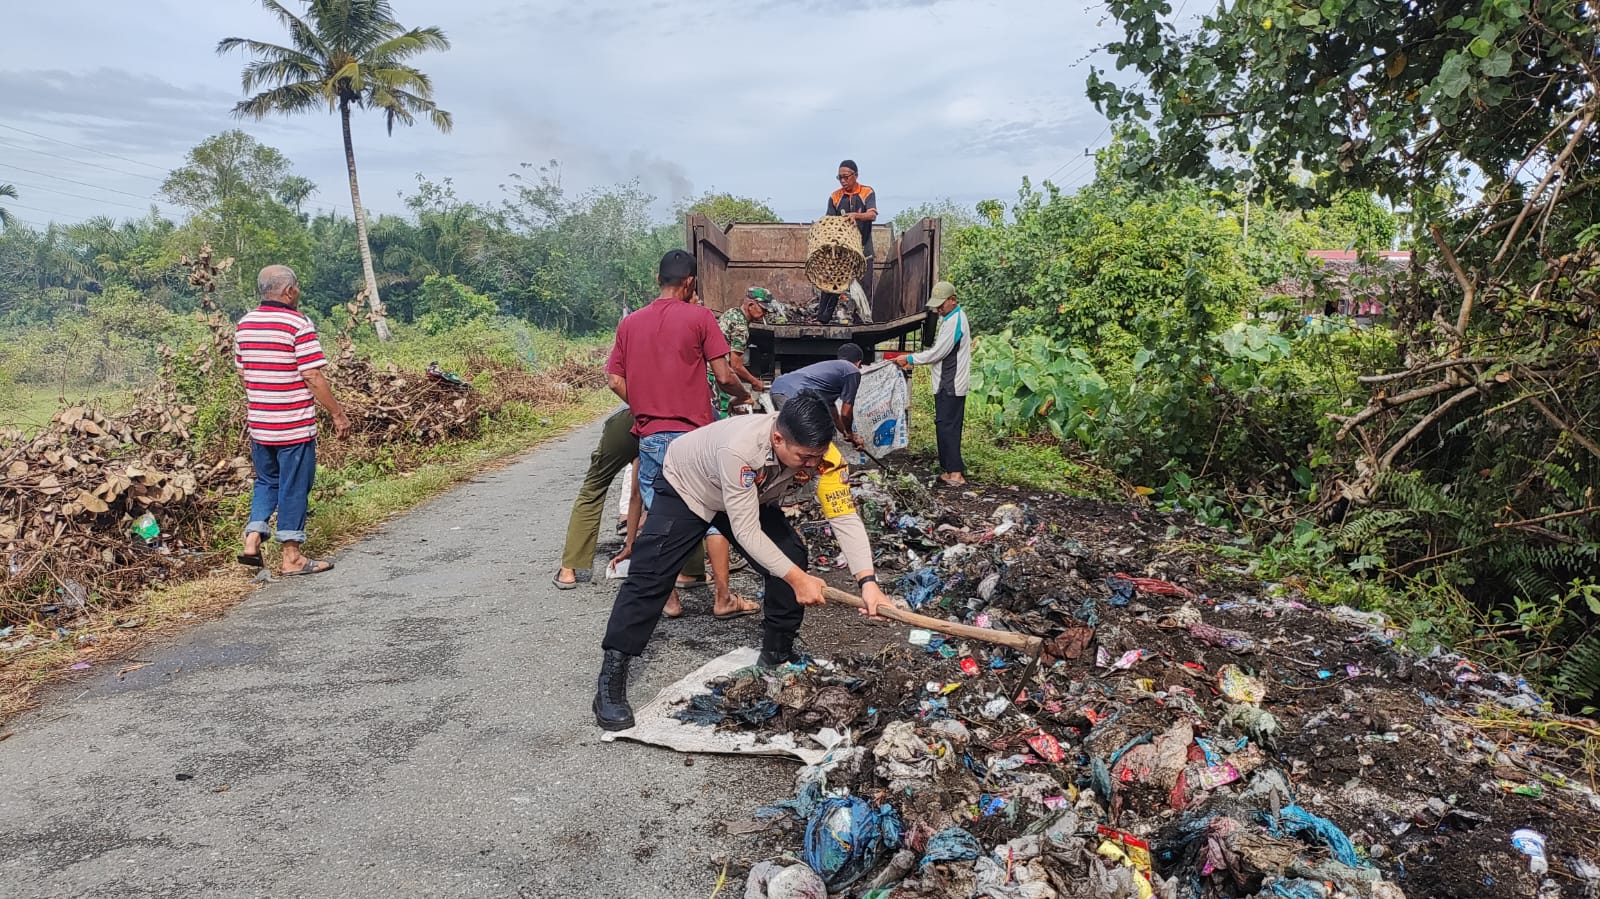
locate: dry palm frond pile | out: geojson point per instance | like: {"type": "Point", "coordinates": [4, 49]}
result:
{"type": "Point", "coordinates": [69, 497]}
{"type": "Point", "coordinates": [71, 494]}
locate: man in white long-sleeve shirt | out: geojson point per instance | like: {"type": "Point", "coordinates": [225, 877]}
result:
{"type": "Point", "coordinates": [951, 359]}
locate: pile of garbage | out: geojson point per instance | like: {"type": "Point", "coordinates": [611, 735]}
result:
{"type": "Point", "coordinates": [1189, 733]}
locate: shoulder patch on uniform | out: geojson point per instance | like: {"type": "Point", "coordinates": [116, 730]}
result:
{"type": "Point", "coordinates": [747, 477]}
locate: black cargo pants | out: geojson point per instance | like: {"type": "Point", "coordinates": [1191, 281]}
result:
{"type": "Point", "coordinates": [668, 536]}
{"type": "Point", "coordinates": [830, 301]}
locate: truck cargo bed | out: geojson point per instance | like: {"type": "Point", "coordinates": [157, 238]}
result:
{"type": "Point", "coordinates": [773, 255]}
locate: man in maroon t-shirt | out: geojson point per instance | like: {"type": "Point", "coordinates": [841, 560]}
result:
{"type": "Point", "coordinates": [658, 365]}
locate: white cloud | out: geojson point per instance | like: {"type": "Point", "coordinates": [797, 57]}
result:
{"type": "Point", "coordinates": [933, 97]}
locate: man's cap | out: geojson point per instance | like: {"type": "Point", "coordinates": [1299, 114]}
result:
{"type": "Point", "coordinates": [942, 291]}
{"type": "Point", "coordinates": [851, 165]}
{"type": "Point", "coordinates": [760, 296]}
{"type": "Point", "coordinates": [677, 265]}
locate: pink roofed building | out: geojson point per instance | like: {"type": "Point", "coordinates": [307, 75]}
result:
{"type": "Point", "coordinates": [1356, 278]}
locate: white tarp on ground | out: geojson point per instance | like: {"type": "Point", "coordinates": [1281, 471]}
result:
{"type": "Point", "coordinates": [882, 412]}
{"type": "Point", "coordinates": [654, 724]}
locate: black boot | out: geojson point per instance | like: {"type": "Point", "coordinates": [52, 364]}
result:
{"type": "Point", "coordinates": [611, 709]}
{"type": "Point", "coordinates": [777, 649]}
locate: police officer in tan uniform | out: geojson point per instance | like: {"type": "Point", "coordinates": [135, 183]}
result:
{"type": "Point", "coordinates": [733, 474]}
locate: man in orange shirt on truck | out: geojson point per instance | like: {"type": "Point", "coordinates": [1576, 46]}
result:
{"type": "Point", "coordinates": [857, 202]}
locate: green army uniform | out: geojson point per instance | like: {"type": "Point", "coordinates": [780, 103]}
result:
{"type": "Point", "coordinates": [736, 330]}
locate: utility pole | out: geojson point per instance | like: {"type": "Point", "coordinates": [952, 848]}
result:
{"type": "Point", "coordinates": [1247, 186]}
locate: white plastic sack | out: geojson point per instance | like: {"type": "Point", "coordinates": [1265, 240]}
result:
{"type": "Point", "coordinates": [858, 295]}
{"type": "Point", "coordinates": [882, 412]}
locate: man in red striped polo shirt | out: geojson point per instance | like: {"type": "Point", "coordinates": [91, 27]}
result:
{"type": "Point", "coordinates": [278, 356]}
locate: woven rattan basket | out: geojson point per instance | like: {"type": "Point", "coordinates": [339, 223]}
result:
{"type": "Point", "coordinates": [833, 254]}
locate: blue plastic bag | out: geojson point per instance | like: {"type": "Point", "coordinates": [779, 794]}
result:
{"type": "Point", "coordinates": [1296, 821]}
{"type": "Point", "coordinates": [951, 845]}
{"type": "Point", "coordinates": [846, 838]}
{"type": "Point", "coordinates": [920, 587]}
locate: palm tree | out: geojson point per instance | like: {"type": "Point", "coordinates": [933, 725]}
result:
{"type": "Point", "coordinates": [345, 53]}
{"type": "Point", "coordinates": [6, 190]}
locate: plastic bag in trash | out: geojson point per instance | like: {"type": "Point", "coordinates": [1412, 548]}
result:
{"type": "Point", "coordinates": [846, 837]}
{"type": "Point", "coordinates": [1296, 821]}
{"type": "Point", "coordinates": [769, 880]}
{"type": "Point", "coordinates": [796, 882]}
{"type": "Point", "coordinates": [1298, 888]}
{"type": "Point", "coordinates": [760, 877]}
{"type": "Point", "coordinates": [1240, 687]}
{"type": "Point", "coordinates": [951, 845]}
{"type": "Point", "coordinates": [920, 587]}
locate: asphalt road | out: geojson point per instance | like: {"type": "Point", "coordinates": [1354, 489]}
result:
{"type": "Point", "coordinates": [414, 723]}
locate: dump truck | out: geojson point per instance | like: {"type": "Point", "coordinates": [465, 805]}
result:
{"type": "Point", "coordinates": [773, 255]}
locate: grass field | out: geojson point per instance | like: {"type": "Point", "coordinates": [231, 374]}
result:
{"type": "Point", "coordinates": [30, 406]}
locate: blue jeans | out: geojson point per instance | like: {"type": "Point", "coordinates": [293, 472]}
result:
{"type": "Point", "coordinates": [652, 455]}
{"type": "Point", "coordinates": [283, 484]}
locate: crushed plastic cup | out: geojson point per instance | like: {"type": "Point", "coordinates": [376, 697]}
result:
{"type": "Point", "coordinates": [1531, 844]}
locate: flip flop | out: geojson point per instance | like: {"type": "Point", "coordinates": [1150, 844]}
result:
{"type": "Point", "coordinates": [563, 585]}
{"type": "Point", "coordinates": [729, 616]}
{"type": "Point", "coordinates": [310, 567]}
{"type": "Point", "coordinates": [254, 561]}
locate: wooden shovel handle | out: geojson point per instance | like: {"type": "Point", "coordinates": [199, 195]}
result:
{"type": "Point", "coordinates": [1021, 642]}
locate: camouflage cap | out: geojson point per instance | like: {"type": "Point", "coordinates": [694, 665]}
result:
{"type": "Point", "coordinates": [760, 296]}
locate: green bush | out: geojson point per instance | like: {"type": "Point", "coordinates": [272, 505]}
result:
{"type": "Point", "coordinates": [1104, 272]}
{"type": "Point", "coordinates": [445, 304]}
{"type": "Point", "coordinates": [1248, 401]}
{"type": "Point", "coordinates": [114, 342]}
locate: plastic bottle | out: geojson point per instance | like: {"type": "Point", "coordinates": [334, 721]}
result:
{"type": "Point", "coordinates": [1531, 844]}
{"type": "Point", "coordinates": [146, 528]}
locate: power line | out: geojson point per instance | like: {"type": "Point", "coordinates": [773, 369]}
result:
{"type": "Point", "coordinates": [1079, 159]}
{"type": "Point", "coordinates": [1073, 172]}
{"type": "Point", "coordinates": [51, 190]}
{"type": "Point", "coordinates": [93, 165]}
{"type": "Point", "coordinates": [10, 204]}
{"type": "Point", "coordinates": [19, 168]}
{"type": "Point", "coordinates": [80, 147]}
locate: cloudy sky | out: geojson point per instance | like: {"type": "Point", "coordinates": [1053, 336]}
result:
{"type": "Point", "coordinates": [934, 98]}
